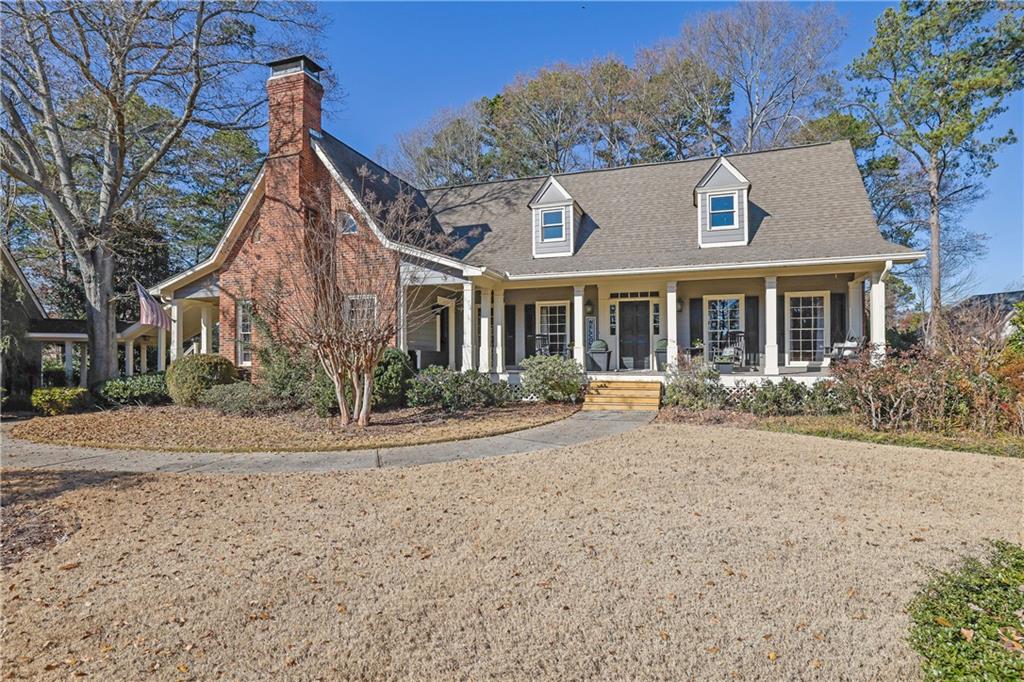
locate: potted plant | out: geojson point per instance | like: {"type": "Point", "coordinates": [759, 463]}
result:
{"type": "Point", "coordinates": [600, 356]}
{"type": "Point", "coordinates": [661, 354]}
{"type": "Point", "coordinates": [725, 360]}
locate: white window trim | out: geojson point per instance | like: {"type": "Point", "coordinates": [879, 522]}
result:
{"type": "Point", "coordinates": [735, 211]}
{"type": "Point", "coordinates": [565, 231]}
{"type": "Point", "coordinates": [568, 318]}
{"type": "Point", "coordinates": [707, 318]}
{"type": "Point", "coordinates": [240, 308]}
{"type": "Point", "coordinates": [361, 297]}
{"type": "Point", "coordinates": [827, 296]}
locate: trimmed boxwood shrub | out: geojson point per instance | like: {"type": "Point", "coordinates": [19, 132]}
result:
{"type": "Point", "coordinates": [552, 378]}
{"type": "Point", "coordinates": [190, 376]}
{"type": "Point", "coordinates": [142, 389]}
{"type": "Point", "coordinates": [455, 391]}
{"type": "Point", "coordinates": [59, 400]}
{"type": "Point", "coordinates": [391, 379]}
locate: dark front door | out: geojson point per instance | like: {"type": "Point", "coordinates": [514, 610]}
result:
{"type": "Point", "coordinates": [634, 335]}
{"type": "Point", "coordinates": [509, 342]}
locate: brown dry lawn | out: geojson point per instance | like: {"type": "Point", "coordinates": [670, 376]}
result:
{"type": "Point", "coordinates": [189, 429]}
{"type": "Point", "coordinates": [671, 552]}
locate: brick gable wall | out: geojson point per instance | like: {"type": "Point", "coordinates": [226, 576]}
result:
{"type": "Point", "coordinates": [267, 253]}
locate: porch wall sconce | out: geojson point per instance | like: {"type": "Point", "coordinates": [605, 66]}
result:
{"type": "Point", "coordinates": [679, 305]}
{"type": "Point", "coordinates": [588, 307]}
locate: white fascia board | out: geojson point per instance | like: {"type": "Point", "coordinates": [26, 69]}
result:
{"type": "Point", "coordinates": [405, 249]}
{"type": "Point", "coordinates": [24, 282]}
{"type": "Point", "coordinates": [216, 259]}
{"type": "Point", "coordinates": [852, 260]}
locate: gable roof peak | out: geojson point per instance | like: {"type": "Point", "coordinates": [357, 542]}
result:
{"type": "Point", "coordinates": [550, 186]}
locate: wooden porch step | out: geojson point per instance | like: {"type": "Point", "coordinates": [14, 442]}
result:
{"type": "Point", "coordinates": [623, 395]}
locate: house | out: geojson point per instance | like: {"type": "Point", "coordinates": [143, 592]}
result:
{"type": "Point", "coordinates": [768, 253]}
{"type": "Point", "coordinates": [22, 366]}
{"type": "Point", "coordinates": [1002, 304]}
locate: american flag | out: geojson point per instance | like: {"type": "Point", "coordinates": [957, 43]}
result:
{"type": "Point", "coordinates": [151, 312]}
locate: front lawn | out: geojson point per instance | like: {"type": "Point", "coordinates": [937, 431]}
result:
{"type": "Point", "coordinates": [174, 428]}
{"type": "Point", "coordinates": [670, 552]}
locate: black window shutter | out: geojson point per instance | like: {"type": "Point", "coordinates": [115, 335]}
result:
{"type": "Point", "coordinates": [696, 320]}
{"type": "Point", "coordinates": [752, 329]}
{"type": "Point", "coordinates": [530, 322]}
{"type": "Point", "coordinates": [510, 335]}
{"type": "Point", "coordinates": [837, 321]}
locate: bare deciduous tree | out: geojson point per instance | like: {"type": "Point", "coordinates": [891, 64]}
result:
{"type": "Point", "coordinates": [191, 58]}
{"type": "Point", "coordinates": [777, 58]}
{"type": "Point", "coordinates": [342, 302]}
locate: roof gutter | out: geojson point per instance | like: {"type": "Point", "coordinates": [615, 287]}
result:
{"type": "Point", "coordinates": [889, 259]}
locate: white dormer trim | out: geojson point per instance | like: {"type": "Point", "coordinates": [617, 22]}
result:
{"type": "Point", "coordinates": [741, 196]}
{"type": "Point", "coordinates": [550, 182]}
{"type": "Point", "coordinates": [721, 162]}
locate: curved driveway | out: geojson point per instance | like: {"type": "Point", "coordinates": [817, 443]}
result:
{"type": "Point", "coordinates": [579, 428]}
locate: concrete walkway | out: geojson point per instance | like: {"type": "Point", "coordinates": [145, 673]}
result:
{"type": "Point", "coordinates": [579, 428]}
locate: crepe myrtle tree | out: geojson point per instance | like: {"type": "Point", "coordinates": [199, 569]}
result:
{"type": "Point", "coordinates": [345, 295]}
{"type": "Point", "coordinates": [194, 59]}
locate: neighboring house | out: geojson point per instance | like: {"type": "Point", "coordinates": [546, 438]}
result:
{"type": "Point", "coordinates": [1002, 303]}
{"type": "Point", "coordinates": [20, 356]}
{"type": "Point", "coordinates": [767, 252]}
{"type": "Point", "coordinates": [22, 368]}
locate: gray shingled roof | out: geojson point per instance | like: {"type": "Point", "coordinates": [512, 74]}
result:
{"type": "Point", "coordinates": [807, 202]}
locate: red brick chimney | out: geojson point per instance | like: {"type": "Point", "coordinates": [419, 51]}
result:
{"type": "Point", "coordinates": [292, 171]}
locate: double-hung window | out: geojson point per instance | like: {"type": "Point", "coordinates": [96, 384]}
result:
{"type": "Point", "coordinates": [243, 334]}
{"type": "Point", "coordinates": [362, 310]}
{"type": "Point", "coordinates": [807, 326]}
{"type": "Point", "coordinates": [722, 211]}
{"type": "Point", "coordinates": [553, 325]}
{"type": "Point", "coordinates": [723, 319]}
{"type": "Point", "coordinates": [552, 225]}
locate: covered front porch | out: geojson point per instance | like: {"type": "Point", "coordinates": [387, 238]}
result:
{"type": "Point", "coordinates": [775, 324]}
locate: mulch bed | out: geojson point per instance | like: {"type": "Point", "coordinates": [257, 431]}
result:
{"type": "Point", "coordinates": [186, 429]}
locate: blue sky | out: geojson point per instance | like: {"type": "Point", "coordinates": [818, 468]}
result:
{"type": "Point", "coordinates": [401, 62]}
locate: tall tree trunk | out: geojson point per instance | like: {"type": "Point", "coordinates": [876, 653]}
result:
{"type": "Point", "coordinates": [97, 267]}
{"type": "Point", "coordinates": [934, 224]}
{"type": "Point", "coordinates": [364, 408]}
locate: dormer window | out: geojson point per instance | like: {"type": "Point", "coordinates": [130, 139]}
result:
{"type": "Point", "coordinates": [723, 211]}
{"type": "Point", "coordinates": [553, 225]}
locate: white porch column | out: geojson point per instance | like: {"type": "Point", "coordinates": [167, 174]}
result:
{"type": "Point", "coordinates": [177, 330]}
{"type": "Point", "coordinates": [129, 357]}
{"type": "Point", "coordinates": [499, 330]}
{"type": "Point", "coordinates": [143, 358]}
{"type": "Point", "coordinates": [877, 317]}
{"type": "Point", "coordinates": [771, 325]}
{"type": "Point", "coordinates": [402, 315]}
{"type": "Point", "coordinates": [468, 318]}
{"type": "Point", "coordinates": [83, 365]}
{"type": "Point", "coordinates": [161, 349]}
{"type": "Point", "coordinates": [672, 326]}
{"type": "Point", "coordinates": [69, 362]}
{"type": "Point", "coordinates": [855, 307]}
{"type": "Point", "coordinates": [451, 335]}
{"type": "Point", "coordinates": [206, 335]}
{"type": "Point", "coordinates": [485, 330]}
{"type": "Point", "coordinates": [578, 342]}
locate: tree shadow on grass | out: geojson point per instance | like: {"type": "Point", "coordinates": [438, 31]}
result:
{"type": "Point", "coordinates": [21, 486]}
{"type": "Point", "coordinates": [32, 520]}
